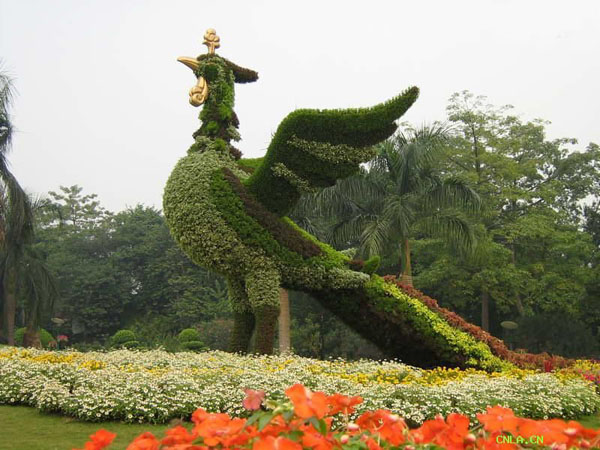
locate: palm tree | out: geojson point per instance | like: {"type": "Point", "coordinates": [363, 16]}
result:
{"type": "Point", "coordinates": [21, 272]}
{"type": "Point", "coordinates": [399, 193]}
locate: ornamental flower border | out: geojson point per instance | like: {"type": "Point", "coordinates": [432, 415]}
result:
{"type": "Point", "coordinates": [305, 421]}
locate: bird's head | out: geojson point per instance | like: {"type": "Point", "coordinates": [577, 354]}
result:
{"type": "Point", "coordinates": [212, 71]}
{"type": "Point", "coordinates": [215, 78]}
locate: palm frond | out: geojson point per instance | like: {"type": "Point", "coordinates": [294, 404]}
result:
{"type": "Point", "coordinates": [450, 226]}
{"type": "Point", "coordinates": [450, 193]}
{"type": "Point", "coordinates": [374, 239]}
{"type": "Point", "coordinates": [38, 286]}
{"type": "Point", "coordinates": [6, 97]}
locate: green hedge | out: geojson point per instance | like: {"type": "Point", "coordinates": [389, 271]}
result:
{"type": "Point", "coordinates": [45, 337]}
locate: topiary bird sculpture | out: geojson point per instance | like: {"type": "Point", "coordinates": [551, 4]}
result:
{"type": "Point", "coordinates": [229, 215]}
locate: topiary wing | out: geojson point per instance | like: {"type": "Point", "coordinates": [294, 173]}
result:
{"type": "Point", "coordinates": [312, 149]}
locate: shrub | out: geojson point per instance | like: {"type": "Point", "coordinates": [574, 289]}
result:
{"type": "Point", "coordinates": [121, 337]}
{"type": "Point", "coordinates": [189, 334]}
{"type": "Point", "coordinates": [372, 264]}
{"type": "Point", "coordinates": [131, 344]}
{"type": "Point", "coordinates": [45, 337]}
{"type": "Point", "coordinates": [194, 346]}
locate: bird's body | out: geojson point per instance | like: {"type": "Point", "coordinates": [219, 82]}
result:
{"type": "Point", "coordinates": [229, 215]}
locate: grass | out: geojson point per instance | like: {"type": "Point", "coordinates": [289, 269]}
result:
{"type": "Point", "coordinates": [25, 428]}
{"type": "Point", "coordinates": [590, 421]}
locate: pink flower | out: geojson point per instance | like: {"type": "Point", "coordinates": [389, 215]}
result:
{"type": "Point", "coordinates": [62, 338]}
{"type": "Point", "coordinates": [253, 399]}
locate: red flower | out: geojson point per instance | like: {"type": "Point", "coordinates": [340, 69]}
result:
{"type": "Point", "coordinates": [343, 404]}
{"type": "Point", "coordinates": [499, 419]}
{"type": "Point", "coordinates": [495, 441]}
{"type": "Point", "coordinates": [389, 426]}
{"type": "Point", "coordinates": [317, 441]}
{"type": "Point", "coordinates": [306, 403]}
{"type": "Point", "coordinates": [372, 444]}
{"type": "Point", "coordinates": [551, 430]}
{"type": "Point", "coordinates": [99, 440]}
{"type": "Point", "coordinates": [450, 434]}
{"type": "Point", "coordinates": [62, 338]}
{"type": "Point", "coordinates": [145, 441]}
{"type": "Point", "coordinates": [218, 429]}
{"type": "Point", "coordinates": [426, 432]}
{"type": "Point", "coordinates": [178, 435]}
{"type": "Point", "coordinates": [275, 443]}
{"type": "Point", "coordinates": [253, 399]}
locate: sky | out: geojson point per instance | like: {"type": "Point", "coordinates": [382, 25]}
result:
{"type": "Point", "coordinates": [103, 103]}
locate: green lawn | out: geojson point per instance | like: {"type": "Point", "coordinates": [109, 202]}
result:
{"type": "Point", "coordinates": [591, 421]}
{"type": "Point", "coordinates": [24, 428]}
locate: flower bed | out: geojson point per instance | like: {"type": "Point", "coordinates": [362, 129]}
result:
{"type": "Point", "coordinates": [307, 422]}
{"type": "Point", "coordinates": [155, 386]}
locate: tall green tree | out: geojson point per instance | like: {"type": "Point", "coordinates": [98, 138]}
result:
{"type": "Point", "coordinates": [22, 273]}
{"type": "Point", "coordinates": [531, 190]}
{"type": "Point", "coordinates": [123, 270]}
{"type": "Point", "coordinates": [400, 195]}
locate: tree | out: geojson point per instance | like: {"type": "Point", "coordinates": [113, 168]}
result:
{"type": "Point", "coordinates": [75, 232]}
{"type": "Point", "coordinates": [531, 190]}
{"type": "Point", "coordinates": [400, 195]}
{"type": "Point", "coordinates": [21, 271]}
{"type": "Point", "coordinates": [123, 270]}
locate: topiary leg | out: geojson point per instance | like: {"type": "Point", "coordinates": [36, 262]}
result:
{"type": "Point", "coordinates": [243, 318]}
{"type": "Point", "coordinates": [262, 287]}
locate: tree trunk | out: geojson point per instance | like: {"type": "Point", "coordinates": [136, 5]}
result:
{"type": "Point", "coordinates": [406, 277]}
{"type": "Point", "coordinates": [485, 311]}
{"type": "Point", "coordinates": [284, 321]}
{"type": "Point", "coordinates": [10, 306]}
{"type": "Point", "coordinates": [520, 307]}
{"type": "Point", "coordinates": [32, 338]}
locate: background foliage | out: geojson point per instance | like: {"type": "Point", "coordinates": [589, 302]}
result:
{"type": "Point", "coordinates": [535, 260]}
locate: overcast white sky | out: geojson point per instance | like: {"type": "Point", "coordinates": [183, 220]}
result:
{"type": "Point", "coordinates": [103, 103]}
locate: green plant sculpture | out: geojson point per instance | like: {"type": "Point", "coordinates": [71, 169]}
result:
{"type": "Point", "coordinates": [228, 215]}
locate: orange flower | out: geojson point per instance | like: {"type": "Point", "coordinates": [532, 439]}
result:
{"type": "Point", "coordinates": [495, 441]}
{"type": "Point", "coordinates": [145, 441]}
{"type": "Point", "coordinates": [312, 438]}
{"type": "Point", "coordinates": [372, 444]}
{"type": "Point", "coordinates": [317, 441]}
{"type": "Point", "coordinates": [576, 430]}
{"type": "Point", "coordinates": [552, 430]}
{"type": "Point", "coordinates": [499, 419]}
{"type": "Point", "coordinates": [275, 443]}
{"type": "Point", "coordinates": [178, 435]}
{"type": "Point", "coordinates": [366, 421]}
{"type": "Point", "coordinates": [392, 428]}
{"type": "Point", "coordinates": [102, 438]}
{"type": "Point", "coordinates": [453, 437]}
{"type": "Point", "coordinates": [389, 426]}
{"type": "Point", "coordinates": [218, 430]}
{"type": "Point", "coordinates": [450, 434]}
{"type": "Point", "coordinates": [253, 399]}
{"type": "Point", "coordinates": [275, 427]}
{"type": "Point", "coordinates": [343, 404]}
{"type": "Point", "coordinates": [426, 432]}
{"type": "Point", "coordinates": [99, 440]}
{"type": "Point", "coordinates": [185, 447]}
{"type": "Point", "coordinates": [306, 403]}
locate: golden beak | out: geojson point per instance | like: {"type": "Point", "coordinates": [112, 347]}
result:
{"type": "Point", "coordinates": [192, 63]}
{"type": "Point", "coordinates": [199, 92]}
